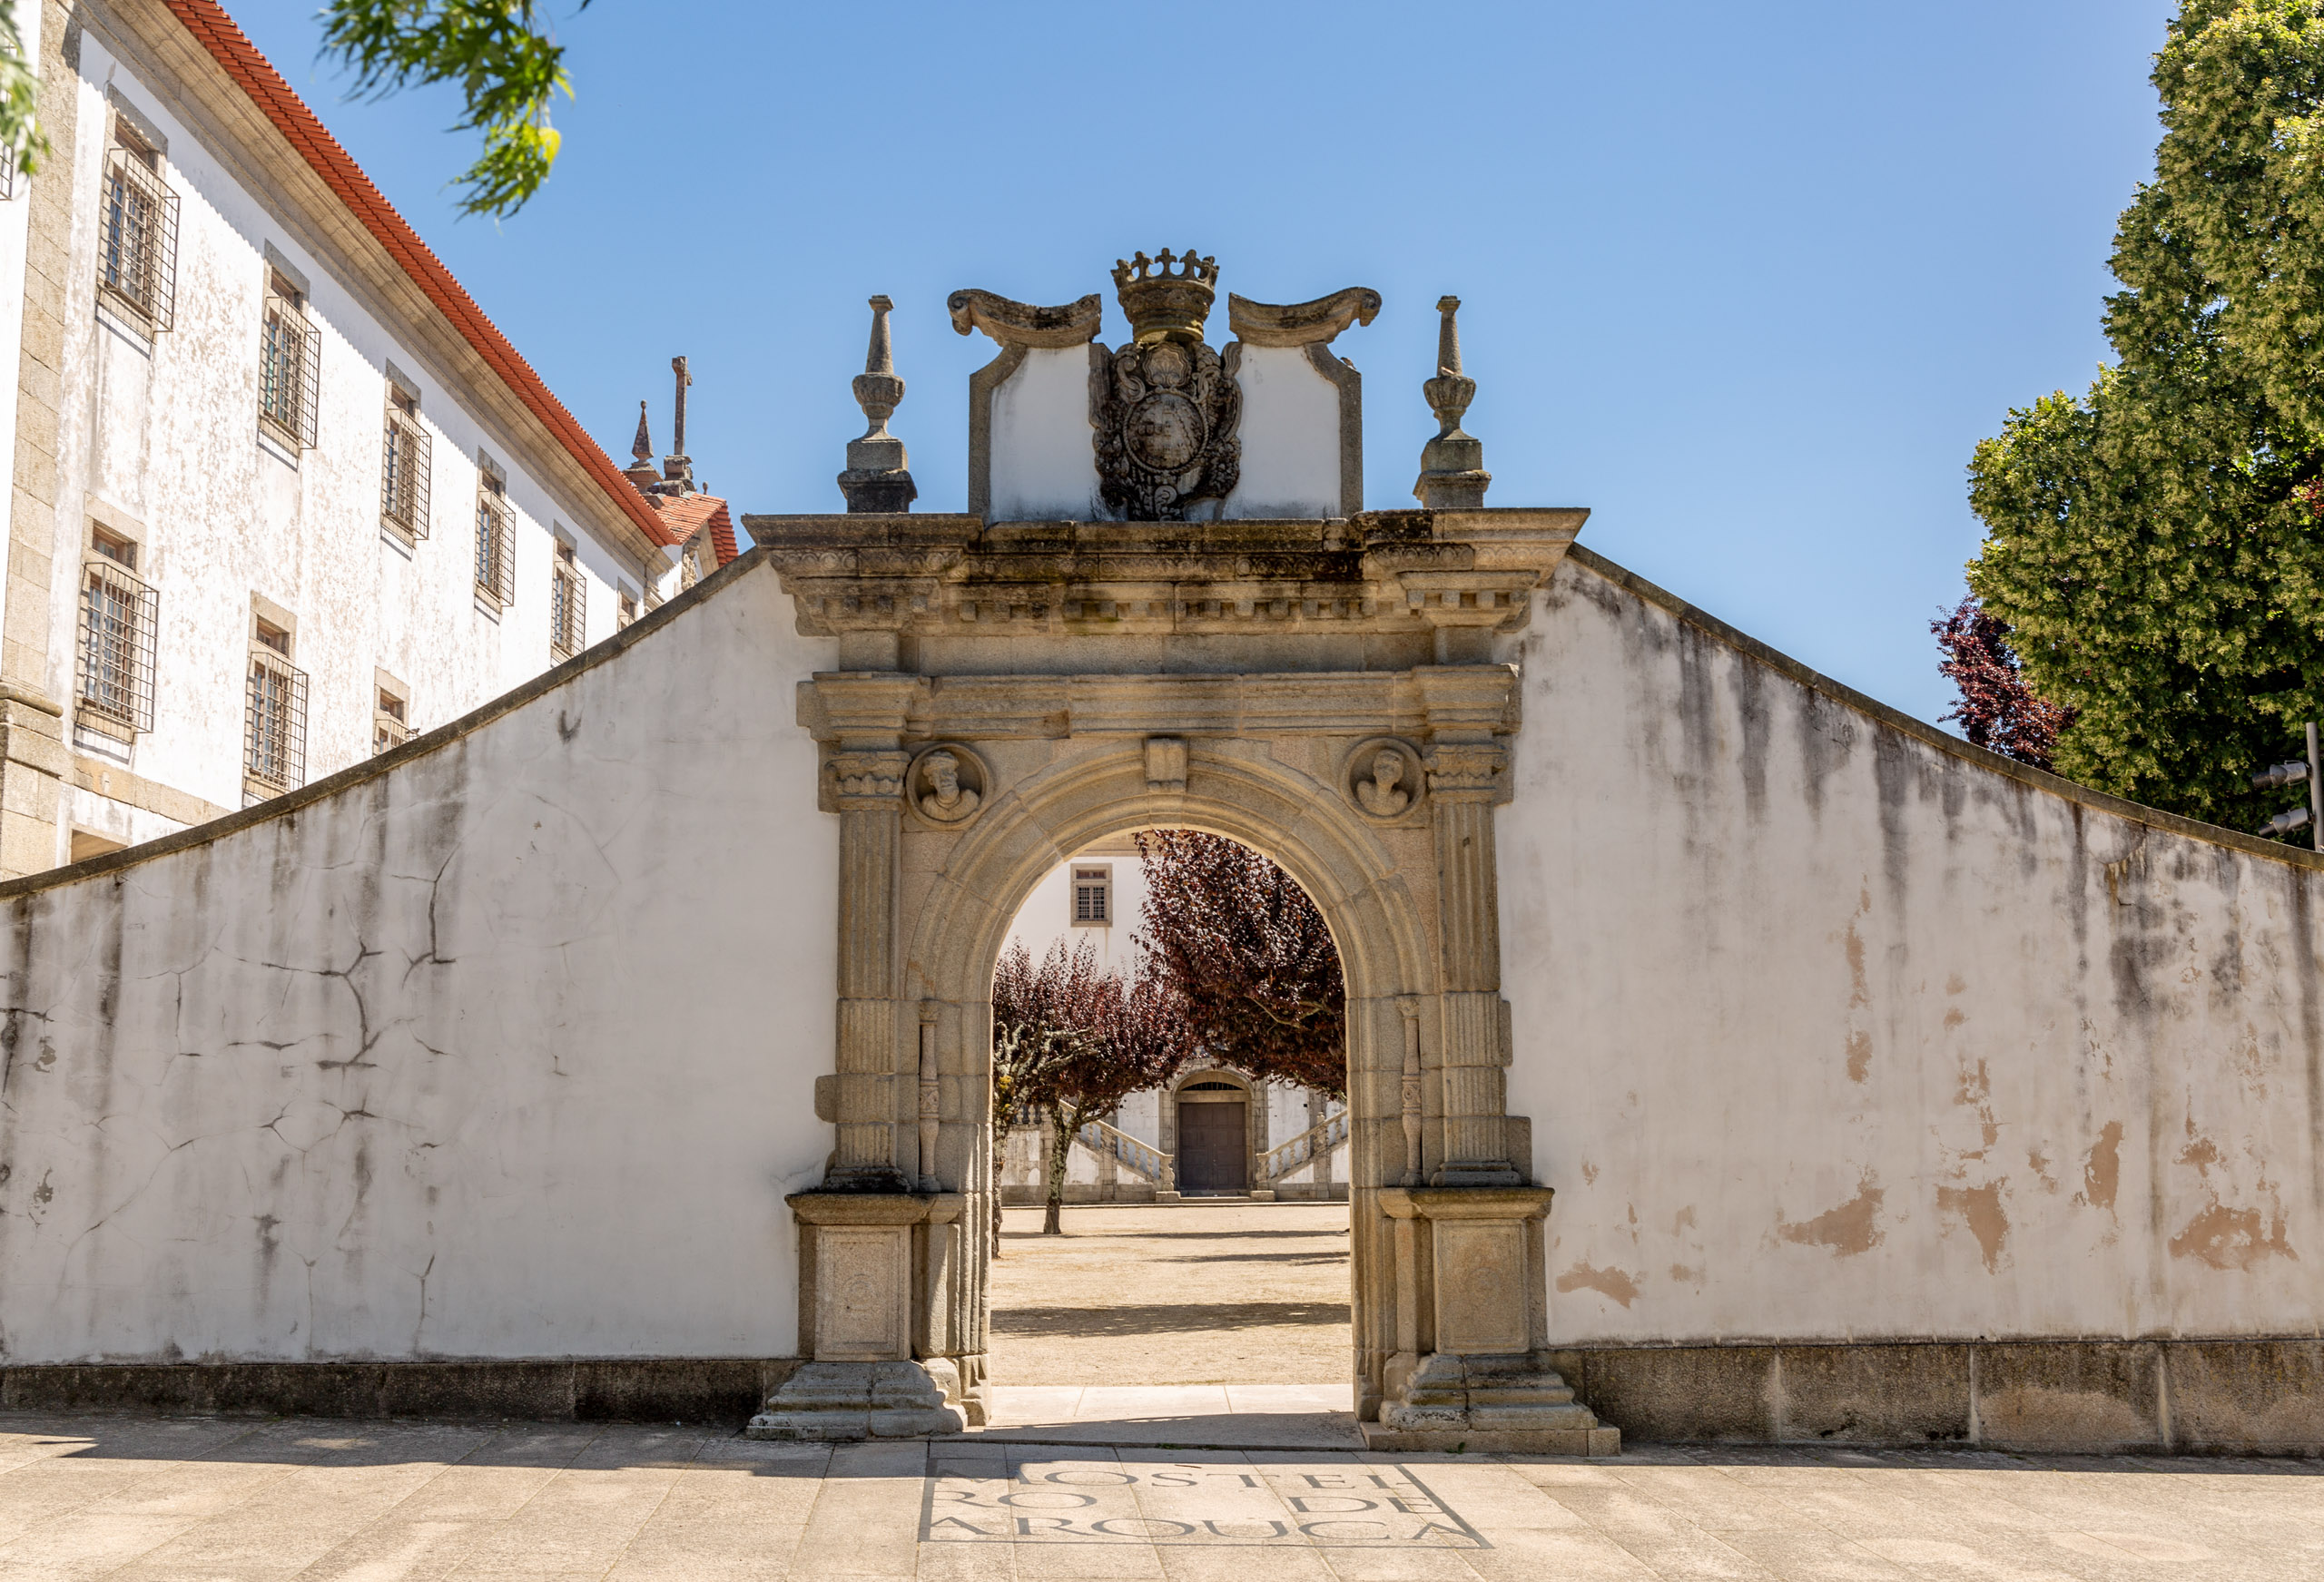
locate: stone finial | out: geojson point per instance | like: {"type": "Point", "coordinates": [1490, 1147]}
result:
{"type": "Point", "coordinates": [677, 467]}
{"type": "Point", "coordinates": [877, 479]}
{"type": "Point", "coordinates": [1451, 465]}
{"type": "Point", "coordinates": [640, 471]}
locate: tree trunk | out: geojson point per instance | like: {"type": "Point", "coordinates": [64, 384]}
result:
{"type": "Point", "coordinates": [1060, 1141]}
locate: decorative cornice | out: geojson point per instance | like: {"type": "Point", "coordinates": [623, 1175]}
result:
{"type": "Point", "coordinates": [1181, 708]}
{"type": "Point", "coordinates": [1377, 573]}
{"type": "Point", "coordinates": [1013, 324]}
{"type": "Point", "coordinates": [1300, 323]}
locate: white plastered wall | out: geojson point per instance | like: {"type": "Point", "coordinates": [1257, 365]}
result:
{"type": "Point", "coordinates": [165, 432]}
{"type": "Point", "coordinates": [1828, 1034]}
{"type": "Point", "coordinates": [1044, 467]}
{"type": "Point", "coordinates": [1291, 437]}
{"type": "Point", "coordinates": [401, 1075]}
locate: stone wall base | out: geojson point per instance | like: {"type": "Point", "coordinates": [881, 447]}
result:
{"type": "Point", "coordinates": [2237, 1397]}
{"type": "Point", "coordinates": [1079, 1192]}
{"type": "Point", "coordinates": [712, 1390]}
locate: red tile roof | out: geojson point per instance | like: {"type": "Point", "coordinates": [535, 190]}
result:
{"type": "Point", "coordinates": [683, 515]}
{"type": "Point", "coordinates": [232, 50]}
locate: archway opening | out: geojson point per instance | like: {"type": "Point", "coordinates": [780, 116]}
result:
{"type": "Point", "coordinates": [1194, 1234]}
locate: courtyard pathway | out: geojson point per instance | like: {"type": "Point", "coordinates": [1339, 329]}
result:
{"type": "Point", "coordinates": [144, 1499]}
{"type": "Point", "coordinates": [1193, 1293]}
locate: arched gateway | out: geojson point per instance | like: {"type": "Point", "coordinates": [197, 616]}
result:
{"type": "Point", "coordinates": [1322, 690]}
{"type": "Point", "coordinates": [1892, 1092]}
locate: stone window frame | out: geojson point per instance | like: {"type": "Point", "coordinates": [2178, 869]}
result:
{"type": "Point", "coordinates": [496, 534]}
{"type": "Point", "coordinates": [568, 601]}
{"type": "Point", "coordinates": [137, 226]}
{"type": "Point", "coordinates": [117, 624]}
{"type": "Point", "coordinates": [391, 724]}
{"type": "Point", "coordinates": [274, 706]}
{"type": "Point", "coordinates": [290, 361]}
{"type": "Point", "coordinates": [405, 453]}
{"type": "Point", "coordinates": [625, 609]}
{"type": "Point", "coordinates": [1079, 890]}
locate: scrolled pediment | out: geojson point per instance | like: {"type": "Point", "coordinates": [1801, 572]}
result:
{"type": "Point", "coordinates": [1301, 323]}
{"type": "Point", "coordinates": [1013, 324]}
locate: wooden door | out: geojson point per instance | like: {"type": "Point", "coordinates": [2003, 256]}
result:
{"type": "Point", "coordinates": [1213, 1151]}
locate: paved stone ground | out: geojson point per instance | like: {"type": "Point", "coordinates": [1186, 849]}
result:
{"type": "Point", "coordinates": [1239, 1294]}
{"type": "Point", "coordinates": [143, 1499]}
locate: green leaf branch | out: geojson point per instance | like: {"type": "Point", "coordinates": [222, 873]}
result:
{"type": "Point", "coordinates": [503, 55]}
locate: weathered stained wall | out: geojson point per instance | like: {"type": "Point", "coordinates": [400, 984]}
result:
{"type": "Point", "coordinates": [430, 1065]}
{"type": "Point", "coordinates": [1830, 1033]}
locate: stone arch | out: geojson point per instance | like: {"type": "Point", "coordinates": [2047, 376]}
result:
{"type": "Point", "coordinates": [965, 891]}
{"type": "Point", "coordinates": [1103, 681]}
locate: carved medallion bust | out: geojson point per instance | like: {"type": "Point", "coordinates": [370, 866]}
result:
{"type": "Point", "coordinates": [1383, 778]}
{"type": "Point", "coordinates": [936, 782]}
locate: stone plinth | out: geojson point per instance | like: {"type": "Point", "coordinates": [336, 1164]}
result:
{"type": "Point", "coordinates": [871, 1262]}
{"type": "Point", "coordinates": [1468, 1367]}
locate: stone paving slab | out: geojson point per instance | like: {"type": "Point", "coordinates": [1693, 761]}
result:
{"type": "Point", "coordinates": [1287, 1417]}
{"type": "Point", "coordinates": [143, 1499]}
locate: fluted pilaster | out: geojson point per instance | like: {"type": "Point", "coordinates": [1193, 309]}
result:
{"type": "Point", "coordinates": [1463, 780]}
{"type": "Point", "coordinates": [869, 795]}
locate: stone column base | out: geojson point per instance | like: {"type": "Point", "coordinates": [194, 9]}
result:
{"type": "Point", "coordinates": [856, 1401]}
{"type": "Point", "coordinates": [1490, 1403]}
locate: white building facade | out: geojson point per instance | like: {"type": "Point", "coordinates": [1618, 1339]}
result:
{"type": "Point", "coordinates": [284, 496]}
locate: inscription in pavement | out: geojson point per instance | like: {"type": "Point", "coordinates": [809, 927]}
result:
{"type": "Point", "coordinates": [1068, 1501]}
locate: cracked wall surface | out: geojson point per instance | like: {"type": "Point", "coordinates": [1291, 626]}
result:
{"type": "Point", "coordinates": [506, 1051]}
{"type": "Point", "coordinates": [1826, 1031]}
{"type": "Point", "coordinates": [1830, 1034]}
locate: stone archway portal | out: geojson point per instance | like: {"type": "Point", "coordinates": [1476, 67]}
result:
{"type": "Point", "coordinates": [1324, 691]}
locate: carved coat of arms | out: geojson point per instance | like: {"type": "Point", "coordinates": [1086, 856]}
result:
{"type": "Point", "coordinates": [1165, 407]}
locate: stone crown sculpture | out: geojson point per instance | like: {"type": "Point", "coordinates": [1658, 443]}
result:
{"type": "Point", "coordinates": [1451, 465]}
{"type": "Point", "coordinates": [1165, 306]}
{"type": "Point", "coordinates": [877, 479]}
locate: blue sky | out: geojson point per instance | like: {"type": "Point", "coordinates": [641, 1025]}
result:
{"type": "Point", "coordinates": [1748, 281]}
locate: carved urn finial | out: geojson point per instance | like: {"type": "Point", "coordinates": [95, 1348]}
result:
{"type": "Point", "coordinates": [1451, 465]}
{"type": "Point", "coordinates": [876, 479]}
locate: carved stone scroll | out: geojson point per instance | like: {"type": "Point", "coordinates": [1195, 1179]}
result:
{"type": "Point", "coordinates": [1013, 324]}
{"type": "Point", "coordinates": [1301, 323]}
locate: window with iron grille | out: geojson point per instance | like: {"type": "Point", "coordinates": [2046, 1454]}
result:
{"type": "Point", "coordinates": [568, 603]}
{"type": "Point", "coordinates": [403, 468]}
{"type": "Point", "coordinates": [389, 728]}
{"type": "Point", "coordinates": [1093, 896]}
{"type": "Point", "coordinates": [274, 746]}
{"type": "Point", "coordinates": [114, 694]}
{"type": "Point", "coordinates": [290, 364]}
{"type": "Point", "coordinates": [137, 238]}
{"type": "Point", "coordinates": [496, 551]}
